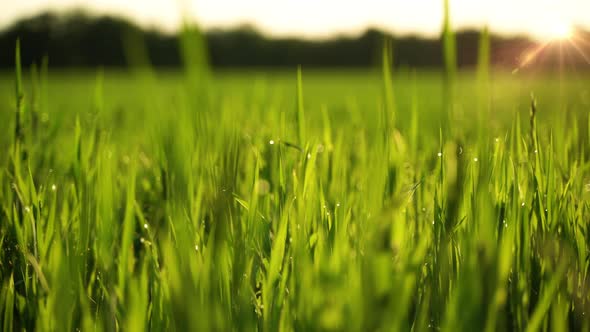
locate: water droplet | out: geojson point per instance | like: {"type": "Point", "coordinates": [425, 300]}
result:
{"type": "Point", "coordinates": [290, 240]}
{"type": "Point", "coordinates": [53, 187]}
{"type": "Point", "coordinates": [197, 249]}
{"type": "Point", "coordinates": [28, 209]}
{"type": "Point", "coordinates": [475, 159]}
{"type": "Point", "coordinates": [271, 142]}
{"type": "Point", "coordinates": [497, 140]}
{"type": "Point", "coordinates": [433, 222]}
{"type": "Point", "coordinates": [337, 204]}
{"type": "Point", "coordinates": [536, 151]}
{"type": "Point", "coordinates": [145, 226]}
{"type": "Point", "coordinates": [522, 204]}
{"type": "Point", "coordinates": [142, 240]}
{"type": "Point", "coordinates": [309, 156]}
{"type": "Point", "coordinates": [439, 154]}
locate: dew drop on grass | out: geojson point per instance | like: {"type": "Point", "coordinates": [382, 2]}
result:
{"type": "Point", "coordinates": [145, 226]}
{"type": "Point", "coordinates": [28, 209]}
{"type": "Point", "coordinates": [197, 249]}
{"type": "Point", "coordinates": [53, 187]}
{"type": "Point", "coordinates": [475, 159]}
{"type": "Point", "coordinates": [439, 154]}
{"type": "Point", "coordinates": [338, 204]}
{"type": "Point", "coordinates": [271, 142]}
{"type": "Point", "coordinates": [522, 204]}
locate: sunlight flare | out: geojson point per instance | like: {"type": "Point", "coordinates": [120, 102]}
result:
{"type": "Point", "coordinates": [559, 31]}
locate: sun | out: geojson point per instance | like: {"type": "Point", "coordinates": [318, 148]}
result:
{"type": "Point", "coordinates": [559, 31]}
{"type": "Point", "coordinates": [555, 29]}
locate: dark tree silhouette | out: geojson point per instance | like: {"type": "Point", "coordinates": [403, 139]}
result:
{"type": "Point", "coordinates": [81, 40]}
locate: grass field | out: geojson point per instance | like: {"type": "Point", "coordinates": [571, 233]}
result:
{"type": "Point", "coordinates": [261, 200]}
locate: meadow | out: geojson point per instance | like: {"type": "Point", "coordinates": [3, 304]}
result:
{"type": "Point", "coordinates": [295, 200]}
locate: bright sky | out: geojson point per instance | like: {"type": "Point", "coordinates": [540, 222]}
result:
{"type": "Point", "coordinates": [321, 18]}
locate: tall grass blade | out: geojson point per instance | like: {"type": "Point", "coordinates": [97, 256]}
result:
{"type": "Point", "coordinates": [300, 110]}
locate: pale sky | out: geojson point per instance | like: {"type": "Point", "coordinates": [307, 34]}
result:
{"type": "Point", "coordinates": [323, 18]}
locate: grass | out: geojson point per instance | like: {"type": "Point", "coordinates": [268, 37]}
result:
{"type": "Point", "coordinates": [299, 200]}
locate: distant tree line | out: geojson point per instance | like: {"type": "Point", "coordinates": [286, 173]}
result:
{"type": "Point", "coordinates": [80, 40]}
